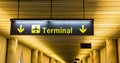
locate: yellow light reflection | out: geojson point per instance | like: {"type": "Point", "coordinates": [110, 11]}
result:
{"type": "Point", "coordinates": [106, 22]}
{"type": "Point", "coordinates": [38, 44]}
{"type": "Point", "coordinates": [83, 53]}
{"type": "Point", "coordinates": [4, 23]}
{"type": "Point", "coordinates": [31, 41]}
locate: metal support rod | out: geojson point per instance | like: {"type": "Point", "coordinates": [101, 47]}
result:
{"type": "Point", "coordinates": [51, 10]}
{"type": "Point", "coordinates": [18, 8]}
{"type": "Point", "coordinates": [83, 9]}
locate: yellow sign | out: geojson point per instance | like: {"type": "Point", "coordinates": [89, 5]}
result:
{"type": "Point", "coordinates": [83, 29]}
{"type": "Point", "coordinates": [20, 29]}
{"type": "Point", "coordinates": [35, 29]}
{"type": "Point", "coordinates": [57, 30]}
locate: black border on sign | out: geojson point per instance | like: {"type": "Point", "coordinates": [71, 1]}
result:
{"type": "Point", "coordinates": [13, 19]}
{"type": "Point", "coordinates": [48, 19]}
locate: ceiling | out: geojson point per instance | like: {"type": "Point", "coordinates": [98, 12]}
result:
{"type": "Point", "coordinates": [106, 14]}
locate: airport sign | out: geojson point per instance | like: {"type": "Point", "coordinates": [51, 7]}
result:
{"type": "Point", "coordinates": [52, 27]}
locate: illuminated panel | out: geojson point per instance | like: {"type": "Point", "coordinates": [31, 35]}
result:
{"type": "Point", "coordinates": [51, 27]}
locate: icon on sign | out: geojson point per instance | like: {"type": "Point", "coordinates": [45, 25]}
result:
{"type": "Point", "coordinates": [35, 29]}
{"type": "Point", "coordinates": [83, 29]}
{"type": "Point", "coordinates": [20, 29]}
